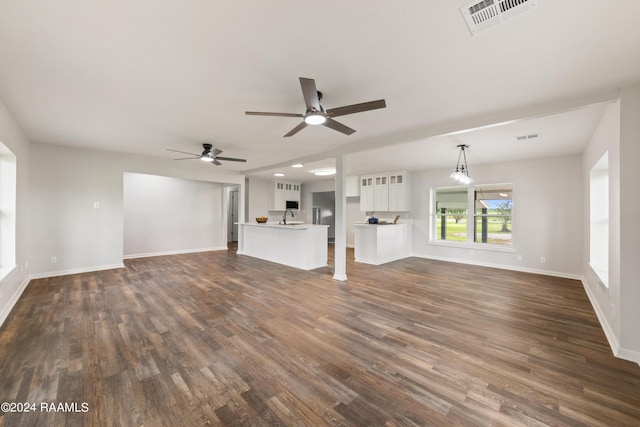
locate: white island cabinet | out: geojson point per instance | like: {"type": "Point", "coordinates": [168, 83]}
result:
{"type": "Point", "coordinates": [303, 246]}
{"type": "Point", "coordinates": [381, 243]}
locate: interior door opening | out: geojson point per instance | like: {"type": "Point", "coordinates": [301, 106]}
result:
{"type": "Point", "coordinates": [324, 207]}
{"type": "Point", "coordinates": [232, 223]}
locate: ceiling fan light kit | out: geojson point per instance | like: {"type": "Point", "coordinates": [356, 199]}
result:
{"type": "Point", "coordinates": [315, 114]}
{"type": "Point", "coordinates": [315, 118]}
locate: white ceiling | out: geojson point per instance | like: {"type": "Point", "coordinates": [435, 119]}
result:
{"type": "Point", "coordinates": [145, 76]}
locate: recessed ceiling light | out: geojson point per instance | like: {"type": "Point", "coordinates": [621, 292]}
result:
{"type": "Point", "coordinates": [278, 174]}
{"type": "Point", "coordinates": [325, 171]}
{"type": "Point", "coordinates": [297, 165]}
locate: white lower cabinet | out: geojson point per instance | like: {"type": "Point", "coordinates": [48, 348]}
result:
{"type": "Point", "coordinates": [379, 244]}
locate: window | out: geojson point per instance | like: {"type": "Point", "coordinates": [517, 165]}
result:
{"type": "Point", "coordinates": [599, 219]}
{"type": "Point", "coordinates": [493, 215]}
{"type": "Point", "coordinates": [7, 211]}
{"type": "Point", "coordinates": [480, 214]}
{"type": "Point", "coordinates": [451, 214]}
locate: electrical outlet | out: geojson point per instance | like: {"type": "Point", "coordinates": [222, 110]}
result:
{"type": "Point", "coordinates": [54, 260]}
{"type": "Point", "coordinates": [96, 205]}
{"type": "Point", "coordinates": [543, 259]}
{"type": "Point", "coordinates": [519, 257]}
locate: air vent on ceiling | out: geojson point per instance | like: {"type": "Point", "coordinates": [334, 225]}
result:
{"type": "Point", "coordinates": [483, 14]}
{"type": "Point", "coordinates": [527, 137]}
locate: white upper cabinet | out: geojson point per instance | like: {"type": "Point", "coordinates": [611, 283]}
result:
{"type": "Point", "coordinates": [366, 193]}
{"type": "Point", "coordinates": [399, 200]}
{"type": "Point", "coordinates": [292, 191]}
{"type": "Point", "coordinates": [385, 192]}
{"type": "Point", "coordinates": [352, 186]}
{"type": "Point", "coordinates": [283, 192]}
{"type": "Point", "coordinates": [381, 192]}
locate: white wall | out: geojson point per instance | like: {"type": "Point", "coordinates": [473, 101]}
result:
{"type": "Point", "coordinates": [65, 184]}
{"type": "Point", "coordinates": [64, 224]}
{"type": "Point", "coordinates": [629, 217]}
{"type": "Point", "coordinates": [547, 202]}
{"type": "Point", "coordinates": [165, 215]}
{"type": "Point", "coordinates": [606, 301]}
{"type": "Point", "coordinates": [618, 306]}
{"type": "Point", "coordinates": [12, 286]}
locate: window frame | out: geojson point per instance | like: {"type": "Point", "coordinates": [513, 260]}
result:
{"type": "Point", "coordinates": [599, 219]}
{"type": "Point", "coordinates": [471, 216]}
{"type": "Point", "coordinates": [8, 201]}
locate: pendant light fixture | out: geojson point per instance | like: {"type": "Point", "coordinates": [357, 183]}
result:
{"type": "Point", "coordinates": [461, 173]}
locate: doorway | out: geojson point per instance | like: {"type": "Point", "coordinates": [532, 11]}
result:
{"type": "Point", "coordinates": [232, 215]}
{"type": "Point", "coordinates": [324, 206]}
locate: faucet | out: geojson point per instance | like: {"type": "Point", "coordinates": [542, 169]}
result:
{"type": "Point", "coordinates": [284, 217]}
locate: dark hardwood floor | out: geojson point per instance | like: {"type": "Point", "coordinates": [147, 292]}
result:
{"type": "Point", "coordinates": [220, 339]}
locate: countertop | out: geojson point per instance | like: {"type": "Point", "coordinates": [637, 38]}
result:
{"type": "Point", "coordinates": [284, 226]}
{"type": "Point", "coordinates": [366, 224]}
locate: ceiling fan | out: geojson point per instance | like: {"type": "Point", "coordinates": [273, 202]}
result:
{"type": "Point", "coordinates": [208, 155]}
{"type": "Point", "coordinates": [316, 115]}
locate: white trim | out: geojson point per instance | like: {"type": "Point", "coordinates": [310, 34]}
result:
{"type": "Point", "coordinates": [630, 355]}
{"type": "Point", "coordinates": [503, 267]}
{"type": "Point", "coordinates": [178, 252]}
{"type": "Point", "coordinates": [13, 300]}
{"type": "Point", "coordinates": [381, 261]}
{"type": "Point", "coordinates": [603, 276]}
{"type": "Point", "coordinates": [606, 327]}
{"type": "Point", "coordinates": [5, 271]}
{"type": "Point", "coordinates": [76, 271]}
{"type": "Point", "coordinates": [620, 352]}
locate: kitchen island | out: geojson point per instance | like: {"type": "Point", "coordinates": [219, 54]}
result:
{"type": "Point", "coordinates": [381, 243]}
{"type": "Point", "coordinates": [301, 246]}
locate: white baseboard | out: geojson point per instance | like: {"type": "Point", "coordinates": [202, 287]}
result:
{"type": "Point", "coordinates": [630, 355]}
{"type": "Point", "coordinates": [76, 271]}
{"type": "Point", "coordinates": [618, 351]}
{"type": "Point", "coordinates": [503, 267]}
{"type": "Point", "coordinates": [380, 261]}
{"type": "Point", "coordinates": [604, 324]}
{"type": "Point", "coordinates": [178, 252]}
{"type": "Point", "coordinates": [13, 300]}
